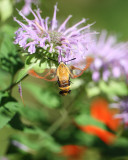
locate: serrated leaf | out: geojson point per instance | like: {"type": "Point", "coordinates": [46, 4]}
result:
{"type": "Point", "coordinates": [44, 96]}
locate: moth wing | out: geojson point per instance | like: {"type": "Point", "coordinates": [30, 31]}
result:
{"type": "Point", "coordinates": [47, 75]}
{"type": "Point", "coordinates": [76, 71]}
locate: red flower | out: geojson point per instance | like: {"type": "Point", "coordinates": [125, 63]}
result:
{"type": "Point", "coordinates": [73, 152]}
{"type": "Point", "coordinates": [104, 135]}
{"type": "Point", "coordinates": [100, 110]}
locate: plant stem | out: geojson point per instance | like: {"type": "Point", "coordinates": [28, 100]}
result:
{"type": "Point", "coordinates": [14, 84]}
{"type": "Point", "coordinates": [56, 125]}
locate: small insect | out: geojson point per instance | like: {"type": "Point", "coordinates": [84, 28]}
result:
{"type": "Point", "coordinates": [63, 74]}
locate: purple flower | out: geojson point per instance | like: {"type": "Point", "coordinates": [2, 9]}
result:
{"type": "Point", "coordinates": [110, 57]}
{"type": "Point", "coordinates": [66, 43]}
{"type": "Point", "coordinates": [123, 106]}
{"type": "Point", "coordinates": [27, 6]}
{"type": "Point", "coordinates": [20, 146]}
{"type": "Point", "coordinates": [20, 89]}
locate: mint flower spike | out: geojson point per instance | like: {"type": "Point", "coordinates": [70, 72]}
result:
{"type": "Point", "coordinates": [110, 57]}
{"type": "Point", "coordinates": [53, 39]}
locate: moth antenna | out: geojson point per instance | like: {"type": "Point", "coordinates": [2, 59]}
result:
{"type": "Point", "coordinates": [70, 59]}
{"type": "Point", "coordinates": [20, 91]}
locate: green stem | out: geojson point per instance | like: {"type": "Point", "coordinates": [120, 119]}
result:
{"type": "Point", "coordinates": [56, 125]}
{"type": "Point", "coordinates": [14, 84]}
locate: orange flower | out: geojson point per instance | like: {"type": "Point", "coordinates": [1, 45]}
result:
{"type": "Point", "coordinates": [105, 136]}
{"type": "Point", "coordinates": [100, 111]}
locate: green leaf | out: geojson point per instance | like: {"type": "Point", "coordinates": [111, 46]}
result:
{"type": "Point", "coordinates": [7, 111]}
{"type": "Point", "coordinates": [85, 139]}
{"type": "Point", "coordinates": [92, 90]}
{"type": "Point", "coordinates": [4, 80]}
{"type": "Point", "coordinates": [9, 58]}
{"type": "Point", "coordinates": [84, 119]}
{"type": "Point", "coordinates": [11, 64]}
{"type": "Point", "coordinates": [22, 73]}
{"type": "Point", "coordinates": [6, 9]}
{"type": "Point", "coordinates": [6, 45]}
{"type": "Point", "coordinates": [121, 141]}
{"type": "Point", "coordinates": [37, 139]}
{"type": "Point", "coordinates": [16, 122]}
{"type": "Point", "coordinates": [3, 95]}
{"type": "Point", "coordinates": [113, 88]}
{"type": "Point", "coordinates": [39, 63]}
{"type": "Point", "coordinates": [44, 96]}
{"type": "Point", "coordinates": [76, 83]}
{"type": "Point", "coordinates": [8, 108]}
{"type": "Point", "coordinates": [9, 30]}
{"type": "Point", "coordinates": [33, 114]}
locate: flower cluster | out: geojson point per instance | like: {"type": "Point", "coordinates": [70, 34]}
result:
{"type": "Point", "coordinates": [46, 37]}
{"type": "Point", "coordinates": [72, 42]}
{"type": "Point", "coordinates": [110, 57]}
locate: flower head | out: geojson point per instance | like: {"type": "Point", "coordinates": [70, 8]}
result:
{"type": "Point", "coordinates": [110, 57]}
{"type": "Point", "coordinates": [51, 38]}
